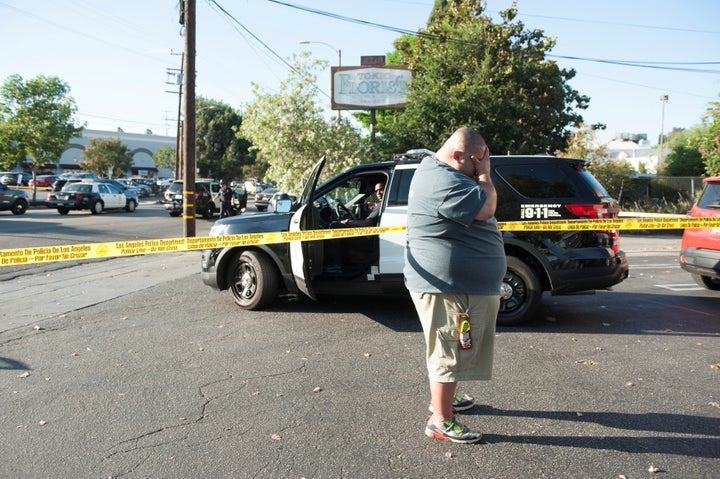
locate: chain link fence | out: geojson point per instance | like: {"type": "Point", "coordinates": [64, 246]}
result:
{"type": "Point", "coordinates": [662, 194]}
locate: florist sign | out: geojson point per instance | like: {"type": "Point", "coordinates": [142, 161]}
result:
{"type": "Point", "coordinates": [365, 88]}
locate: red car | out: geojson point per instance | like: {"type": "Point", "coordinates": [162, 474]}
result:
{"type": "Point", "coordinates": [42, 181]}
{"type": "Point", "coordinates": [700, 247]}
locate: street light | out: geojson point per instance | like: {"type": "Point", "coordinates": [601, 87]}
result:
{"type": "Point", "coordinates": [663, 99]}
{"type": "Point", "coordinates": [336, 50]}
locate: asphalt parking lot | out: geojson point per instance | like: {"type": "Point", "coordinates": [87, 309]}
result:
{"type": "Point", "coordinates": [172, 380]}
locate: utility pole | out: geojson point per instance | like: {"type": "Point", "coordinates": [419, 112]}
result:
{"type": "Point", "coordinates": [663, 99]}
{"type": "Point", "coordinates": [189, 120]}
{"type": "Point", "coordinates": [175, 77]}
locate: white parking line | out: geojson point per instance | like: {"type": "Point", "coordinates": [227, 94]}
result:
{"type": "Point", "coordinates": [679, 287]}
{"type": "Point", "coordinates": [654, 266]}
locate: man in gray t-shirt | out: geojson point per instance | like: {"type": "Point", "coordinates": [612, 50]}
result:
{"type": "Point", "coordinates": [454, 265]}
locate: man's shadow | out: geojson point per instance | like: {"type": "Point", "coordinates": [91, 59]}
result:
{"type": "Point", "coordinates": [13, 364]}
{"type": "Point", "coordinates": [681, 424]}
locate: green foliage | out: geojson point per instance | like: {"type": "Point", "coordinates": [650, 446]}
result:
{"type": "Point", "coordinates": [469, 71]}
{"type": "Point", "coordinates": [708, 141]}
{"type": "Point", "coordinates": [107, 157]}
{"type": "Point", "coordinates": [583, 144]}
{"type": "Point", "coordinates": [36, 120]}
{"type": "Point", "coordinates": [164, 157]}
{"type": "Point", "coordinates": [614, 175]}
{"type": "Point", "coordinates": [684, 158]}
{"type": "Point", "coordinates": [290, 134]}
{"type": "Point", "coordinates": [220, 153]}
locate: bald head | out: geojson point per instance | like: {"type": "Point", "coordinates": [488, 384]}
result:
{"type": "Point", "coordinates": [464, 151]}
{"type": "Point", "coordinates": [464, 140]}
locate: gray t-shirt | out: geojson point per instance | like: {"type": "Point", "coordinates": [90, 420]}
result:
{"type": "Point", "coordinates": [448, 251]}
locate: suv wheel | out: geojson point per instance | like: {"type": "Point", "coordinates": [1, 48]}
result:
{"type": "Point", "coordinates": [252, 280]}
{"type": "Point", "coordinates": [19, 207]}
{"type": "Point", "coordinates": [63, 210]}
{"type": "Point", "coordinates": [96, 208]}
{"type": "Point", "coordinates": [520, 293]}
{"type": "Point", "coordinates": [707, 282]}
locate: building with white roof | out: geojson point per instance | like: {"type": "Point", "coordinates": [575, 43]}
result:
{"type": "Point", "coordinates": [141, 146]}
{"type": "Point", "coordinates": [636, 150]}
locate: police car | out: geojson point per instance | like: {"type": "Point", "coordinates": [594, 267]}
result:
{"type": "Point", "coordinates": [528, 187]}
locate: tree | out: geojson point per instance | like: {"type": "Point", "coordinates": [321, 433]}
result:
{"type": "Point", "coordinates": [469, 71]}
{"type": "Point", "coordinates": [164, 157]}
{"type": "Point", "coordinates": [220, 153]}
{"type": "Point", "coordinates": [615, 175]}
{"type": "Point", "coordinates": [107, 157]}
{"type": "Point", "coordinates": [583, 144]}
{"type": "Point", "coordinates": [708, 141]}
{"type": "Point", "coordinates": [36, 120]}
{"type": "Point", "coordinates": [684, 158]}
{"type": "Point", "coordinates": [290, 134]}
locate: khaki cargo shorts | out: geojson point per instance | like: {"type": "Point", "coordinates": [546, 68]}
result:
{"type": "Point", "coordinates": [446, 361]}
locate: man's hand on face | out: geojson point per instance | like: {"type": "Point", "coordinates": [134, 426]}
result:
{"type": "Point", "coordinates": [482, 163]}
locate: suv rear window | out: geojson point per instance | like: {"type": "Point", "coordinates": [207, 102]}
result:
{"type": "Point", "coordinates": [594, 183]}
{"type": "Point", "coordinates": [537, 181]}
{"type": "Point", "coordinates": [176, 187]}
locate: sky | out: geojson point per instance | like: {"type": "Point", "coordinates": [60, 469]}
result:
{"type": "Point", "coordinates": [116, 54]}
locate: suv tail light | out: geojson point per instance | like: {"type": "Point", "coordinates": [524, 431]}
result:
{"type": "Point", "coordinates": [592, 211]}
{"type": "Point", "coordinates": [598, 211]}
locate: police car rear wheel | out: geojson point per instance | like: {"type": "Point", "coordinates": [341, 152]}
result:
{"type": "Point", "coordinates": [520, 295]}
{"type": "Point", "coordinates": [96, 208]}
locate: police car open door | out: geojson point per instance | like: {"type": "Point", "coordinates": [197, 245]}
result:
{"type": "Point", "coordinates": [306, 257]}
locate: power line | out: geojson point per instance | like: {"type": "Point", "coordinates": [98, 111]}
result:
{"type": "Point", "coordinates": [664, 90]}
{"type": "Point", "coordinates": [257, 39]}
{"type": "Point", "coordinates": [638, 64]}
{"type": "Point", "coordinates": [633, 25]}
{"type": "Point", "coordinates": [234, 24]}
{"type": "Point", "coordinates": [77, 32]}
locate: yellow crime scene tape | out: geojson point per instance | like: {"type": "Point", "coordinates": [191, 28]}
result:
{"type": "Point", "coordinates": [45, 254]}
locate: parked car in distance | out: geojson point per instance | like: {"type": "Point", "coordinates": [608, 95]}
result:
{"type": "Point", "coordinates": [700, 247]}
{"type": "Point", "coordinates": [58, 184]}
{"type": "Point", "coordinates": [95, 196]}
{"type": "Point", "coordinates": [263, 198]}
{"type": "Point", "coordinates": [280, 196]}
{"type": "Point", "coordinates": [143, 190]}
{"type": "Point", "coordinates": [80, 175]}
{"type": "Point", "coordinates": [205, 202]}
{"type": "Point", "coordinates": [130, 193]}
{"type": "Point", "coordinates": [528, 188]}
{"type": "Point", "coordinates": [164, 183]}
{"type": "Point", "coordinates": [13, 200]}
{"type": "Point", "coordinates": [42, 181]}
{"type": "Point", "coordinates": [10, 178]}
